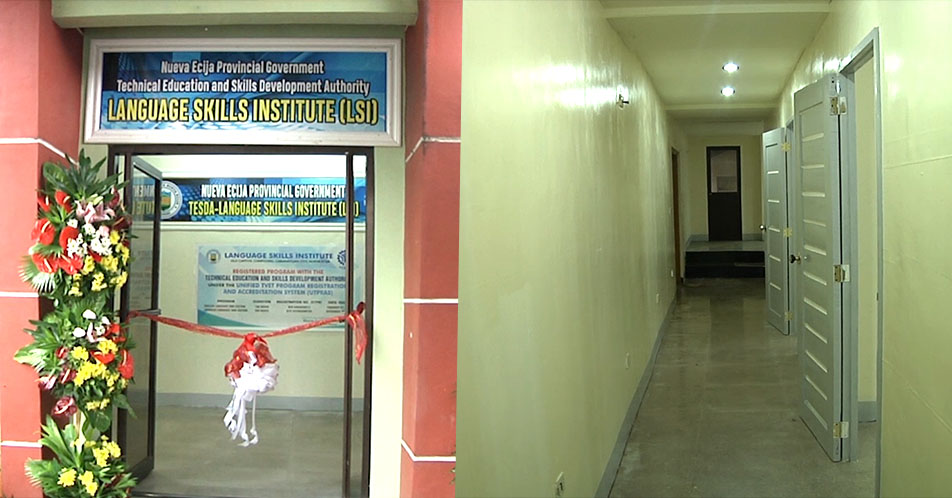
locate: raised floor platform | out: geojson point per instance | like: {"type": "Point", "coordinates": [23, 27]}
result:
{"type": "Point", "coordinates": [724, 259]}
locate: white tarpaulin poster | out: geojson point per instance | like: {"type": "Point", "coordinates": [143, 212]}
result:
{"type": "Point", "coordinates": [272, 287]}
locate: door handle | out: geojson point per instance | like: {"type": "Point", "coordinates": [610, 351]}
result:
{"type": "Point", "coordinates": [763, 228]}
{"type": "Point", "coordinates": [795, 258]}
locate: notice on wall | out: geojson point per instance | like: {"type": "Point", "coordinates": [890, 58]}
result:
{"type": "Point", "coordinates": [244, 91]}
{"type": "Point", "coordinates": [263, 200]}
{"type": "Point", "coordinates": [272, 287]}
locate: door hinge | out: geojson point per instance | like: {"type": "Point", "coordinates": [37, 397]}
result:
{"type": "Point", "coordinates": [788, 316]}
{"type": "Point", "coordinates": [841, 430]}
{"type": "Point", "coordinates": [841, 273]}
{"type": "Point", "coordinates": [786, 147]}
{"type": "Point", "coordinates": [788, 232]}
{"type": "Point", "coordinates": [837, 105]}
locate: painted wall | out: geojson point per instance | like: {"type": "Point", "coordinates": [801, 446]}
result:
{"type": "Point", "coordinates": [566, 244]}
{"type": "Point", "coordinates": [917, 161]}
{"type": "Point", "coordinates": [311, 363]}
{"type": "Point", "coordinates": [750, 175]}
{"type": "Point", "coordinates": [868, 228]}
{"type": "Point", "coordinates": [386, 424]}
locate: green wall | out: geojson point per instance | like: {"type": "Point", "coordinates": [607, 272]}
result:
{"type": "Point", "coordinates": [917, 177]}
{"type": "Point", "coordinates": [566, 244]}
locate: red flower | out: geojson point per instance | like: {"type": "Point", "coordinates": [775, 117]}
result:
{"type": "Point", "coordinates": [104, 358]}
{"type": "Point", "coordinates": [43, 263]}
{"type": "Point", "coordinates": [96, 256]}
{"type": "Point", "coordinates": [43, 231]}
{"type": "Point", "coordinates": [64, 200]}
{"type": "Point", "coordinates": [62, 352]}
{"type": "Point", "coordinates": [122, 223]}
{"type": "Point", "coordinates": [67, 376]}
{"type": "Point", "coordinates": [44, 203]}
{"type": "Point", "coordinates": [114, 329]}
{"type": "Point", "coordinates": [127, 366]}
{"type": "Point", "coordinates": [114, 202]}
{"type": "Point", "coordinates": [71, 266]}
{"type": "Point", "coordinates": [47, 382]}
{"type": "Point", "coordinates": [65, 407]}
{"type": "Point", "coordinates": [68, 233]}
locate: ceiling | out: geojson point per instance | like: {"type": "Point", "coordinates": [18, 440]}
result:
{"type": "Point", "coordinates": [683, 45]}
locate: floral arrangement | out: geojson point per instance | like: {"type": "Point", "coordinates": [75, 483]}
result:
{"type": "Point", "coordinates": [80, 260]}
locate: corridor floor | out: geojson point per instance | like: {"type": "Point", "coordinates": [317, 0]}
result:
{"type": "Point", "coordinates": [719, 418]}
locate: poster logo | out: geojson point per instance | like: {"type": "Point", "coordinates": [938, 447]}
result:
{"type": "Point", "coordinates": [171, 200]}
{"type": "Point", "coordinates": [213, 256]}
{"type": "Point", "coordinates": [342, 258]}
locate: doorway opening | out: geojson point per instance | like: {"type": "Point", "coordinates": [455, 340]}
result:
{"type": "Point", "coordinates": [249, 239]}
{"type": "Point", "coordinates": [675, 196]}
{"type": "Point", "coordinates": [723, 193]}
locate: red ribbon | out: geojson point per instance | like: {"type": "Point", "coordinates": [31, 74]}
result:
{"type": "Point", "coordinates": [355, 319]}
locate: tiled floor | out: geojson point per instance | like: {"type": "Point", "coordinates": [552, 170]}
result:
{"type": "Point", "coordinates": [298, 455]}
{"type": "Point", "coordinates": [720, 414]}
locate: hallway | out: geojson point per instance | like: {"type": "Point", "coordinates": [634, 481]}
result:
{"type": "Point", "coordinates": [719, 417]}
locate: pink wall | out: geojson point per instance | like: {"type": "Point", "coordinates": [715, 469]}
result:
{"type": "Point", "coordinates": [40, 99]}
{"type": "Point", "coordinates": [434, 65]}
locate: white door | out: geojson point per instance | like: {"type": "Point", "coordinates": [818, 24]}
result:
{"type": "Point", "coordinates": [775, 149]}
{"type": "Point", "coordinates": [816, 252]}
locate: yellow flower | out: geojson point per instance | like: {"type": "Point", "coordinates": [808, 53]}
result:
{"type": "Point", "coordinates": [79, 353]}
{"type": "Point", "coordinates": [92, 405]}
{"type": "Point", "coordinates": [110, 263]}
{"type": "Point", "coordinates": [67, 477]}
{"type": "Point", "coordinates": [113, 448]}
{"type": "Point", "coordinates": [98, 283]}
{"type": "Point", "coordinates": [119, 280]}
{"type": "Point", "coordinates": [89, 264]}
{"type": "Point", "coordinates": [89, 370]}
{"type": "Point", "coordinates": [111, 380]}
{"type": "Point", "coordinates": [102, 456]}
{"type": "Point", "coordinates": [114, 237]}
{"type": "Point", "coordinates": [89, 481]}
{"type": "Point", "coordinates": [123, 252]}
{"type": "Point", "coordinates": [107, 346]}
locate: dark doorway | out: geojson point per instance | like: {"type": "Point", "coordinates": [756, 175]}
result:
{"type": "Point", "coordinates": [723, 193]}
{"type": "Point", "coordinates": [677, 214]}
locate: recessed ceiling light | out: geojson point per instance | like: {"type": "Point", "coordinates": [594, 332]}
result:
{"type": "Point", "coordinates": [730, 67]}
{"type": "Point", "coordinates": [727, 91]}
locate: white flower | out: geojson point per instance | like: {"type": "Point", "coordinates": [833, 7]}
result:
{"type": "Point", "coordinates": [89, 315]}
{"type": "Point", "coordinates": [78, 332]}
{"type": "Point", "coordinates": [105, 321]}
{"type": "Point", "coordinates": [103, 232]}
{"type": "Point", "coordinates": [76, 247]}
{"type": "Point", "coordinates": [73, 223]}
{"type": "Point", "coordinates": [101, 246]}
{"type": "Point", "coordinates": [89, 229]}
{"type": "Point", "coordinates": [91, 335]}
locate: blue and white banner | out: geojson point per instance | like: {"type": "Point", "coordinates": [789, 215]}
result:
{"type": "Point", "coordinates": [262, 200]}
{"type": "Point", "coordinates": [314, 92]}
{"type": "Point", "coordinates": [272, 287]}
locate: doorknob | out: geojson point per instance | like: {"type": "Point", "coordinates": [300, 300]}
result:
{"type": "Point", "coordinates": [763, 228]}
{"type": "Point", "coordinates": [794, 258]}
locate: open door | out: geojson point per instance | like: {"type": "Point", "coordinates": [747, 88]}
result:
{"type": "Point", "coordinates": [775, 147]}
{"type": "Point", "coordinates": [143, 195]}
{"type": "Point", "coordinates": [817, 259]}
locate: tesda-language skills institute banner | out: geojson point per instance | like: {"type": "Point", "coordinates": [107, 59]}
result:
{"type": "Point", "coordinates": [262, 200]}
{"type": "Point", "coordinates": [341, 95]}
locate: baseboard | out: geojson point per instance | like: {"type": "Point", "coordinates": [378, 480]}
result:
{"type": "Point", "coordinates": [703, 237]}
{"type": "Point", "coordinates": [868, 411]}
{"type": "Point", "coordinates": [265, 402]}
{"type": "Point", "coordinates": [614, 461]}
{"type": "Point", "coordinates": [753, 236]}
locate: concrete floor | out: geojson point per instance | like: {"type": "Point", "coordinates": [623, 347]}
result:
{"type": "Point", "coordinates": [719, 417]}
{"type": "Point", "coordinates": [298, 455]}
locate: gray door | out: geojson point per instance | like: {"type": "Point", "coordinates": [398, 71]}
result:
{"type": "Point", "coordinates": [815, 253]}
{"type": "Point", "coordinates": [775, 234]}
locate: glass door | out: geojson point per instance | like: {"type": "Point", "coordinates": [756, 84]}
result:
{"type": "Point", "coordinates": [136, 431]}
